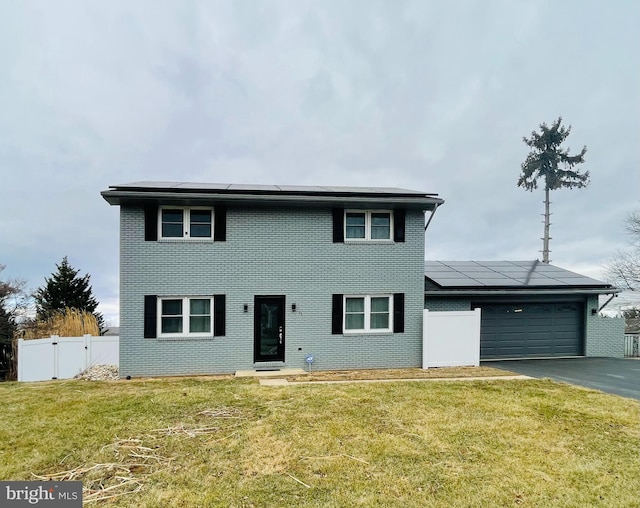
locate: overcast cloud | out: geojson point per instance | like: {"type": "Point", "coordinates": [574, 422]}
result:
{"type": "Point", "coordinates": [432, 96]}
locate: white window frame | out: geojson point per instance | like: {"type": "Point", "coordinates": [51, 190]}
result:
{"type": "Point", "coordinates": [186, 216]}
{"type": "Point", "coordinates": [367, 315]}
{"type": "Point", "coordinates": [367, 226]}
{"type": "Point", "coordinates": [186, 314]}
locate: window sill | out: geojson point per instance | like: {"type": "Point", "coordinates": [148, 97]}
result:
{"type": "Point", "coordinates": [181, 338]}
{"type": "Point", "coordinates": [357, 333]}
{"type": "Point", "coordinates": [367, 242]}
{"type": "Point", "coordinates": [185, 240]}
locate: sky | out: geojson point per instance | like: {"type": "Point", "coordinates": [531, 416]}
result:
{"type": "Point", "coordinates": [434, 96]}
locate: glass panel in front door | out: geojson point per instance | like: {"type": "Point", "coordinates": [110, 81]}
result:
{"type": "Point", "coordinates": [270, 329]}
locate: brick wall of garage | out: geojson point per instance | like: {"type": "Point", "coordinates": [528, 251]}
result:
{"type": "Point", "coordinates": [446, 304]}
{"type": "Point", "coordinates": [604, 336]}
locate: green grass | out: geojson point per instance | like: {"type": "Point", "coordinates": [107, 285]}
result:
{"type": "Point", "coordinates": [205, 442]}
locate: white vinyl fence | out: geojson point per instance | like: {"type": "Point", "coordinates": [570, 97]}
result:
{"type": "Point", "coordinates": [64, 357]}
{"type": "Point", "coordinates": [632, 345]}
{"type": "Point", "coordinates": [451, 339]}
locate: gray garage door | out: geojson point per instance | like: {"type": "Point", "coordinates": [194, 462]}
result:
{"type": "Point", "coordinates": [531, 330]}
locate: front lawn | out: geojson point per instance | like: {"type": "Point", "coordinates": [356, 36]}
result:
{"type": "Point", "coordinates": [228, 442]}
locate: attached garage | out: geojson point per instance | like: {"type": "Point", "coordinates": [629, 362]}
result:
{"type": "Point", "coordinates": [529, 309]}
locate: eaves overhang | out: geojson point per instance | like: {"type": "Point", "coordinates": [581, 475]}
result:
{"type": "Point", "coordinates": [129, 195]}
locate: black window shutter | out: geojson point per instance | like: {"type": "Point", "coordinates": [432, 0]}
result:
{"type": "Point", "coordinates": [398, 313]}
{"type": "Point", "coordinates": [219, 315]}
{"type": "Point", "coordinates": [398, 225]}
{"type": "Point", "coordinates": [336, 315]}
{"type": "Point", "coordinates": [150, 321]}
{"type": "Point", "coordinates": [150, 223]}
{"type": "Point", "coordinates": [338, 225]}
{"type": "Point", "coordinates": [220, 226]}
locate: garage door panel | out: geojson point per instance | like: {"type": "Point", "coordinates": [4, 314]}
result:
{"type": "Point", "coordinates": [512, 352]}
{"type": "Point", "coordinates": [537, 351]}
{"type": "Point", "coordinates": [530, 330]}
{"type": "Point", "coordinates": [565, 328]}
{"type": "Point", "coordinates": [568, 336]}
{"type": "Point", "coordinates": [509, 329]}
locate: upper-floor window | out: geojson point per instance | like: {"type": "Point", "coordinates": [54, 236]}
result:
{"type": "Point", "coordinates": [185, 316]}
{"type": "Point", "coordinates": [178, 222]}
{"type": "Point", "coordinates": [368, 225]}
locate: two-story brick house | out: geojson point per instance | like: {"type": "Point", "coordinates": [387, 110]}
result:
{"type": "Point", "coordinates": [219, 278]}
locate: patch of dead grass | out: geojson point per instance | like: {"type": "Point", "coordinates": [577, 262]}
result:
{"type": "Point", "coordinates": [377, 374]}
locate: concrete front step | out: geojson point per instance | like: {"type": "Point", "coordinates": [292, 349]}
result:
{"type": "Point", "coordinates": [269, 373]}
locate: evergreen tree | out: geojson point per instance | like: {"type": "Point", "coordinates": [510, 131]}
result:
{"type": "Point", "coordinates": [7, 324]}
{"type": "Point", "coordinates": [550, 161]}
{"type": "Point", "coordinates": [66, 289]}
{"type": "Point", "coordinates": [11, 292]}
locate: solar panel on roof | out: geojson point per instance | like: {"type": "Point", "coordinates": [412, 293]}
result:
{"type": "Point", "coordinates": [247, 187]}
{"type": "Point", "coordinates": [301, 188]}
{"type": "Point", "coordinates": [546, 282]}
{"type": "Point", "coordinates": [499, 282]}
{"type": "Point", "coordinates": [504, 274]}
{"type": "Point", "coordinates": [511, 269]}
{"type": "Point", "coordinates": [487, 275]}
{"type": "Point", "coordinates": [457, 282]}
{"type": "Point", "coordinates": [203, 186]}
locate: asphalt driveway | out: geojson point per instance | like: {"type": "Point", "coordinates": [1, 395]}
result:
{"type": "Point", "coordinates": [620, 376]}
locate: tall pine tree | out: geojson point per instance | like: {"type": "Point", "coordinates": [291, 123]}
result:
{"type": "Point", "coordinates": [66, 289]}
{"type": "Point", "coordinates": [549, 161]}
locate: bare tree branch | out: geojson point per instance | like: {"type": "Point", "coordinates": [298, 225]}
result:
{"type": "Point", "coordinates": [624, 268]}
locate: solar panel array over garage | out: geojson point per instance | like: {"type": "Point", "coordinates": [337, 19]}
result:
{"type": "Point", "coordinates": [504, 274]}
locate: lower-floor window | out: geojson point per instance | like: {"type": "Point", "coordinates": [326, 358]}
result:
{"type": "Point", "coordinates": [185, 316]}
{"type": "Point", "coordinates": [367, 313]}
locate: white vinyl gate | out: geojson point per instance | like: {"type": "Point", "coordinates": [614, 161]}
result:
{"type": "Point", "coordinates": [451, 339]}
{"type": "Point", "coordinates": [64, 357]}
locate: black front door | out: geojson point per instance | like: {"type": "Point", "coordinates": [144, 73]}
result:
{"type": "Point", "coordinates": [268, 329]}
